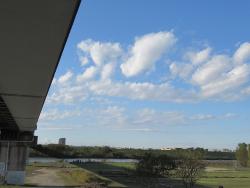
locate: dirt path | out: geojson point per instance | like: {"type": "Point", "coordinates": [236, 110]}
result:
{"type": "Point", "coordinates": [45, 177]}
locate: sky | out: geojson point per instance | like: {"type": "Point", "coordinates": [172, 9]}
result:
{"type": "Point", "coordinates": [153, 74]}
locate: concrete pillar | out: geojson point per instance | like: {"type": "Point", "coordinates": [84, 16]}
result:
{"type": "Point", "coordinates": [13, 156]}
{"type": "Point", "coordinates": [3, 157]}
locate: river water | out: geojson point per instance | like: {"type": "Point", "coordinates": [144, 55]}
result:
{"type": "Point", "coordinates": [49, 160]}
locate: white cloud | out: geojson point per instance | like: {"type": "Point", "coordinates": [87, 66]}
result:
{"type": "Point", "coordinates": [141, 91]}
{"type": "Point", "coordinates": [152, 117]}
{"type": "Point", "coordinates": [55, 128]}
{"type": "Point", "coordinates": [54, 81]}
{"type": "Point", "coordinates": [201, 76]}
{"type": "Point", "coordinates": [212, 70]}
{"type": "Point", "coordinates": [109, 116]}
{"type": "Point", "coordinates": [80, 91]}
{"type": "Point", "coordinates": [107, 71]}
{"type": "Point", "coordinates": [217, 76]}
{"type": "Point", "coordinates": [84, 60]}
{"type": "Point", "coordinates": [231, 80]}
{"type": "Point", "coordinates": [229, 115]}
{"type": "Point", "coordinates": [205, 76]}
{"type": "Point", "coordinates": [68, 95]}
{"type": "Point", "coordinates": [65, 78]}
{"type": "Point", "coordinates": [146, 51]}
{"type": "Point", "coordinates": [138, 130]}
{"type": "Point", "coordinates": [243, 53]}
{"type": "Point", "coordinates": [203, 117]}
{"type": "Point", "coordinates": [182, 70]}
{"type": "Point", "coordinates": [89, 73]}
{"type": "Point", "coordinates": [206, 117]}
{"type": "Point", "coordinates": [55, 114]}
{"type": "Point", "coordinates": [100, 52]}
{"type": "Point", "coordinates": [114, 114]}
{"type": "Point", "coordinates": [199, 57]}
{"type": "Point", "coordinates": [246, 91]}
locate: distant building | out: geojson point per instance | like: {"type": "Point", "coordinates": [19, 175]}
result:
{"type": "Point", "coordinates": [62, 141]}
{"type": "Point", "coordinates": [167, 149]}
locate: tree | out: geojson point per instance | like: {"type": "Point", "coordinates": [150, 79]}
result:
{"type": "Point", "coordinates": [248, 149]}
{"type": "Point", "coordinates": [242, 154]}
{"type": "Point", "coordinates": [155, 166]}
{"type": "Point", "coordinates": [190, 168]}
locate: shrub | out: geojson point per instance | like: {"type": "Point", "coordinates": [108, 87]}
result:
{"type": "Point", "coordinates": [151, 165]}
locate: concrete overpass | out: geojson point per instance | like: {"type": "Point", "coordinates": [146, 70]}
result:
{"type": "Point", "coordinates": [32, 37]}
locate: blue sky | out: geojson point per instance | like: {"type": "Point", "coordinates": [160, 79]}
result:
{"type": "Point", "coordinates": [153, 74]}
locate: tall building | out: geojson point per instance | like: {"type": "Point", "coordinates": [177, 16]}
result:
{"type": "Point", "coordinates": [62, 141]}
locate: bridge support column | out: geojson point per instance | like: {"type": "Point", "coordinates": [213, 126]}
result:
{"type": "Point", "coordinates": [13, 157]}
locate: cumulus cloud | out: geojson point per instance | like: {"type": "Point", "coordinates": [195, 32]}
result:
{"type": "Point", "coordinates": [141, 91]}
{"type": "Point", "coordinates": [203, 75]}
{"type": "Point", "coordinates": [199, 56]}
{"type": "Point", "coordinates": [182, 70]}
{"type": "Point", "coordinates": [243, 53]}
{"type": "Point", "coordinates": [232, 80]}
{"type": "Point", "coordinates": [195, 58]}
{"type": "Point", "coordinates": [65, 78]}
{"type": "Point", "coordinates": [89, 73]}
{"type": "Point", "coordinates": [193, 76]}
{"type": "Point", "coordinates": [146, 51]}
{"type": "Point", "coordinates": [215, 76]}
{"type": "Point", "coordinates": [100, 52]}
{"type": "Point", "coordinates": [212, 70]}
{"type": "Point", "coordinates": [107, 71]}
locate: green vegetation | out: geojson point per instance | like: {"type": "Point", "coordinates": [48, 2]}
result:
{"type": "Point", "coordinates": [242, 154]}
{"type": "Point", "coordinates": [190, 168]}
{"type": "Point", "coordinates": [60, 151]}
{"type": "Point", "coordinates": [228, 177]}
{"type": "Point", "coordinates": [155, 166]}
{"type": "Point", "coordinates": [123, 175]}
{"type": "Point", "coordinates": [217, 174]}
{"type": "Point", "coordinates": [77, 176]}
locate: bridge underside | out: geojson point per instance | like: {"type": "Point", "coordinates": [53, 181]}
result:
{"type": "Point", "coordinates": [32, 37]}
{"type": "Point", "coordinates": [9, 129]}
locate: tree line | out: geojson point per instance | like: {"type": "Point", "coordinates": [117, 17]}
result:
{"type": "Point", "coordinates": [65, 151]}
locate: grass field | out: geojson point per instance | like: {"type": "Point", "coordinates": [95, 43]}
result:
{"type": "Point", "coordinates": [122, 175]}
{"type": "Point", "coordinates": [228, 177]}
{"type": "Point", "coordinates": [215, 174]}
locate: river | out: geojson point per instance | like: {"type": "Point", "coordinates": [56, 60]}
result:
{"type": "Point", "coordinates": [49, 160]}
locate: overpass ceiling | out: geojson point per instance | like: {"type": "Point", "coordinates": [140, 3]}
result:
{"type": "Point", "coordinates": [32, 36]}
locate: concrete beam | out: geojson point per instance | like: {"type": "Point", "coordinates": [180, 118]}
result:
{"type": "Point", "coordinates": [15, 135]}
